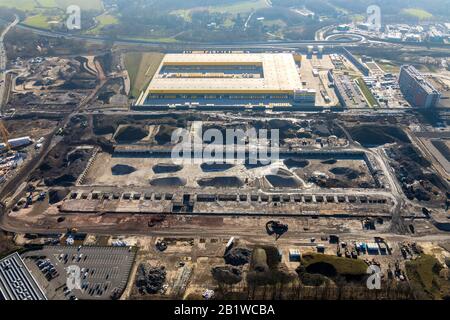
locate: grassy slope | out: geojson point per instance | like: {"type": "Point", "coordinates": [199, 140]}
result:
{"type": "Point", "coordinates": [423, 275]}
{"type": "Point", "coordinates": [418, 13]}
{"type": "Point", "coordinates": [343, 266]}
{"type": "Point", "coordinates": [367, 94]}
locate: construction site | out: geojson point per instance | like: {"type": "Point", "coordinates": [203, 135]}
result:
{"type": "Point", "coordinates": [346, 191]}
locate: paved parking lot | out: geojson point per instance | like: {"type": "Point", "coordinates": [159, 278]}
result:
{"type": "Point", "coordinates": [103, 271]}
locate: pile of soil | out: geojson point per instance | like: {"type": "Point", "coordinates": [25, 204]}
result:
{"type": "Point", "coordinates": [164, 135]}
{"type": "Point", "coordinates": [77, 155]}
{"type": "Point", "coordinates": [129, 134]}
{"type": "Point", "coordinates": [166, 168]}
{"type": "Point", "coordinates": [279, 181]}
{"type": "Point", "coordinates": [65, 180]}
{"type": "Point", "coordinates": [55, 196]}
{"type": "Point", "coordinates": [259, 260]}
{"type": "Point", "coordinates": [373, 135]}
{"type": "Point", "coordinates": [417, 182]}
{"type": "Point", "coordinates": [310, 279]}
{"type": "Point", "coordinates": [329, 161]}
{"type": "Point", "coordinates": [227, 274]}
{"type": "Point", "coordinates": [168, 182]}
{"type": "Point", "coordinates": [296, 163]}
{"type": "Point", "coordinates": [266, 267]}
{"type": "Point", "coordinates": [104, 126]}
{"type": "Point", "coordinates": [238, 256]}
{"type": "Point", "coordinates": [214, 167]}
{"type": "Point", "coordinates": [221, 182]}
{"type": "Point", "coordinates": [122, 169]}
{"type": "Point", "coordinates": [150, 279]}
{"type": "Point", "coordinates": [62, 166]}
{"type": "Point", "coordinates": [349, 173]}
{"type": "Point", "coordinates": [320, 129]}
{"type": "Point", "coordinates": [250, 166]}
{"type": "Point", "coordinates": [329, 183]}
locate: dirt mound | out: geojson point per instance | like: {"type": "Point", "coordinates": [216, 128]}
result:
{"type": "Point", "coordinates": [256, 165]}
{"type": "Point", "coordinates": [329, 161]}
{"type": "Point", "coordinates": [372, 135]}
{"type": "Point", "coordinates": [127, 134]}
{"type": "Point", "coordinates": [238, 256]}
{"type": "Point", "coordinates": [349, 173]}
{"type": "Point", "coordinates": [168, 182]}
{"type": "Point", "coordinates": [77, 155]}
{"type": "Point", "coordinates": [65, 180]}
{"type": "Point", "coordinates": [164, 135]}
{"type": "Point", "coordinates": [296, 163]}
{"type": "Point", "coordinates": [227, 274]}
{"type": "Point", "coordinates": [266, 267]}
{"type": "Point", "coordinates": [62, 165]}
{"type": "Point", "coordinates": [166, 168]}
{"type": "Point", "coordinates": [278, 181]}
{"type": "Point", "coordinates": [122, 169]}
{"type": "Point", "coordinates": [55, 196]}
{"type": "Point", "coordinates": [259, 260]}
{"type": "Point", "coordinates": [214, 167]}
{"type": "Point", "coordinates": [329, 183]}
{"type": "Point", "coordinates": [221, 182]}
{"type": "Point", "coordinates": [150, 279]}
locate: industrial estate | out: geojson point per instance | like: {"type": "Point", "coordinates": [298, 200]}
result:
{"type": "Point", "coordinates": [227, 79]}
{"type": "Point", "coordinates": [95, 207]}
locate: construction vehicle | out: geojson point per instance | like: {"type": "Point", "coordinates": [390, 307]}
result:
{"type": "Point", "coordinates": [29, 200]}
{"type": "Point", "coordinates": [42, 196]}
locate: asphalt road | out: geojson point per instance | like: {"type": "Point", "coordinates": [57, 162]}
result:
{"type": "Point", "coordinates": [3, 61]}
{"type": "Point", "coordinates": [198, 46]}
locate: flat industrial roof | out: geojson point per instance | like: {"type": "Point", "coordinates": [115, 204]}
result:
{"type": "Point", "coordinates": [16, 281]}
{"type": "Point", "coordinates": [280, 74]}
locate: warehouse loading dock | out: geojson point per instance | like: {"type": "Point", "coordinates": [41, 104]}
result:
{"type": "Point", "coordinates": [227, 79]}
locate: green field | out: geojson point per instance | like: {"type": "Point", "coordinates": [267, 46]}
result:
{"type": "Point", "coordinates": [277, 22]}
{"type": "Point", "coordinates": [103, 20]}
{"type": "Point", "coordinates": [31, 5]}
{"type": "Point", "coordinates": [38, 21]}
{"type": "Point", "coordinates": [141, 67]}
{"type": "Point", "coordinates": [388, 66]}
{"type": "Point", "coordinates": [84, 4]}
{"type": "Point", "coordinates": [418, 13]}
{"type": "Point", "coordinates": [366, 92]}
{"type": "Point", "coordinates": [233, 9]}
{"type": "Point", "coordinates": [25, 5]}
{"type": "Point", "coordinates": [242, 7]}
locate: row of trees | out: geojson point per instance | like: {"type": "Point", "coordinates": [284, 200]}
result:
{"type": "Point", "coordinates": [295, 290]}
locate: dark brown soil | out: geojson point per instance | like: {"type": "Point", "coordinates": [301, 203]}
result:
{"type": "Point", "coordinates": [221, 182]}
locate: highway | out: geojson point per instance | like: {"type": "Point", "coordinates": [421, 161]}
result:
{"type": "Point", "coordinates": [3, 61]}
{"type": "Point", "coordinates": [199, 46]}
